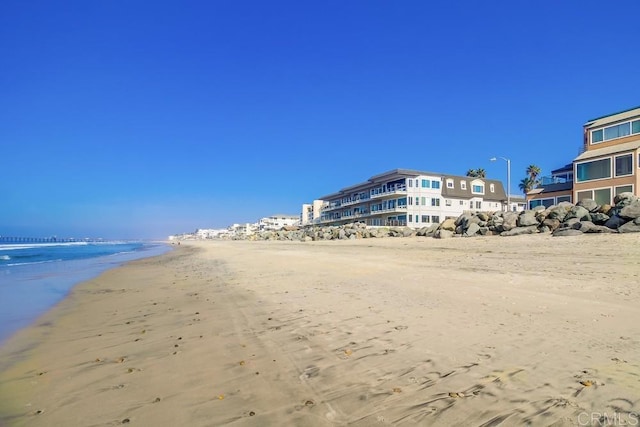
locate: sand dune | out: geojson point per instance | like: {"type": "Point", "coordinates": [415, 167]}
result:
{"type": "Point", "coordinates": [486, 331]}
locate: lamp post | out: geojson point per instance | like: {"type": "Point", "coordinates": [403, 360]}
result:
{"type": "Point", "coordinates": [493, 159]}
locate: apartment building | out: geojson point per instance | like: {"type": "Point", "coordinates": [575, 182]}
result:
{"type": "Point", "coordinates": [276, 222]}
{"type": "Point", "coordinates": [609, 163]}
{"type": "Point", "coordinates": [311, 212]}
{"type": "Point", "coordinates": [413, 198]}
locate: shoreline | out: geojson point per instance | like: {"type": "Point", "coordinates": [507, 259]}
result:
{"type": "Point", "coordinates": [30, 289]}
{"type": "Point", "coordinates": [362, 332]}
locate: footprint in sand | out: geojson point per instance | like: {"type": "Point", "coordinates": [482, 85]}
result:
{"type": "Point", "coordinates": [310, 372]}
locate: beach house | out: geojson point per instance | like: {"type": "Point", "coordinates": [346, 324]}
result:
{"type": "Point", "coordinates": [609, 163]}
{"type": "Point", "coordinates": [606, 166]}
{"type": "Point", "coordinates": [553, 189]}
{"type": "Point", "coordinates": [405, 197]}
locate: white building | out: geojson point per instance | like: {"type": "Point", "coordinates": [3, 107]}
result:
{"type": "Point", "coordinates": [276, 222]}
{"type": "Point", "coordinates": [245, 229]}
{"type": "Point", "coordinates": [311, 212]}
{"type": "Point", "coordinates": [412, 198]}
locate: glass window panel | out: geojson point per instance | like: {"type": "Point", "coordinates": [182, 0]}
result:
{"type": "Point", "coordinates": [624, 189]}
{"type": "Point", "coordinates": [596, 136]}
{"type": "Point", "coordinates": [603, 196]}
{"type": "Point", "coordinates": [635, 126]}
{"type": "Point", "coordinates": [435, 184]}
{"type": "Point", "coordinates": [624, 165]}
{"type": "Point", "coordinates": [585, 195]}
{"type": "Point", "coordinates": [611, 132]}
{"type": "Point", "coordinates": [597, 169]}
{"type": "Point", "coordinates": [563, 199]}
{"type": "Point", "coordinates": [617, 131]}
{"type": "Point", "coordinates": [625, 129]}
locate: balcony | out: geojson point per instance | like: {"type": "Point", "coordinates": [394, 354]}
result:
{"type": "Point", "coordinates": [355, 201]}
{"type": "Point", "coordinates": [389, 191]}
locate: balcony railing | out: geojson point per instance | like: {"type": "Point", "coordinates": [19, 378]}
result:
{"type": "Point", "coordinates": [396, 189]}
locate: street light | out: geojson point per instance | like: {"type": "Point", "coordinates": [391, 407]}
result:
{"type": "Point", "coordinates": [493, 159]}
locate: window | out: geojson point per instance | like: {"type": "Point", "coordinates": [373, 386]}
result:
{"type": "Point", "coordinates": [435, 185]}
{"type": "Point", "coordinates": [425, 183]}
{"type": "Point", "coordinates": [435, 202]}
{"type": "Point", "coordinates": [417, 201]}
{"type": "Point", "coordinates": [449, 183]}
{"type": "Point", "coordinates": [410, 200]}
{"type": "Point", "coordinates": [540, 202]}
{"type": "Point", "coordinates": [424, 201]}
{"type": "Point", "coordinates": [416, 183]}
{"type": "Point", "coordinates": [602, 196]}
{"type": "Point", "coordinates": [492, 188]}
{"type": "Point", "coordinates": [597, 169]}
{"type": "Point", "coordinates": [463, 185]}
{"type": "Point", "coordinates": [560, 199]}
{"type": "Point", "coordinates": [435, 218]}
{"type": "Point", "coordinates": [624, 189]}
{"type": "Point", "coordinates": [410, 218]}
{"type": "Point", "coordinates": [596, 136]}
{"type": "Point", "coordinates": [447, 202]}
{"type": "Point", "coordinates": [615, 131]}
{"type": "Point", "coordinates": [402, 202]}
{"type": "Point", "coordinates": [425, 218]}
{"type": "Point", "coordinates": [479, 189]}
{"type": "Point", "coordinates": [624, 165]}
{"type": "Point", "coordinates": [410, 182]}
{"type": "Point", "coordinates": [478, 205]}
{"type": "Point", "coordinates": [461, 202]}
{"type": "Point", "coordinates": [584, 195]}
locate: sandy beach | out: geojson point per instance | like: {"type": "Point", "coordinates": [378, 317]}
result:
{"type": "Point", "coordinates": [528, 330]}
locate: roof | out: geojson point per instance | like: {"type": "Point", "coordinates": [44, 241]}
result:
{"type": "Point", "coordinates": [551, 188]}
{"type": "Point", "coordinates": [605, 151]}
{"type": "Point", "coordinates": [382, 177]}
{"type": "Point", "coordinates": [403, 173]}
{"type": "Point", "coordinates": [566, 168]}
{"type": "Point", "coordinates": [612, 118]}
{"type": "Point", "coordinates": [499, 194]}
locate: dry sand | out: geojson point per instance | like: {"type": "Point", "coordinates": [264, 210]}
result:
{"type": "Point", "coordinates": [485, 331]}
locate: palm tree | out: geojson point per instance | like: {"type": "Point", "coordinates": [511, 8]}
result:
{"type": "Point", "coordinates": [533, 171]}
{"type": "Point", "coordinates": [477, 173]}
{"type": "Point", "coordinates": [526, 184]}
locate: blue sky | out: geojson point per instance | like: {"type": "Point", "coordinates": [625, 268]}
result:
{"type": "Point", "coordinates": [139, 119]}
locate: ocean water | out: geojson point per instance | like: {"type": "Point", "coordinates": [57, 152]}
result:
{"type": "Point", "coordinates": [34, 277]}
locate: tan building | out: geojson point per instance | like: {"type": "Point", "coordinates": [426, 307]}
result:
{"type": "Point", "coordinates": [609, 164]}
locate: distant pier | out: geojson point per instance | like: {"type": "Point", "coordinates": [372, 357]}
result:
{"type": "Point", "coordinates": [9, 239]}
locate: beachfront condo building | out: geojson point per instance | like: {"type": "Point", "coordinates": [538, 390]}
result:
{"type": "Point", "coordinates": [403, 197]}
{"type": "Point", "coordinates": [609, 163]}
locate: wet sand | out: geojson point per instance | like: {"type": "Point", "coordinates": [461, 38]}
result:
{"type": "Point", "coordinates": [400, 331]}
